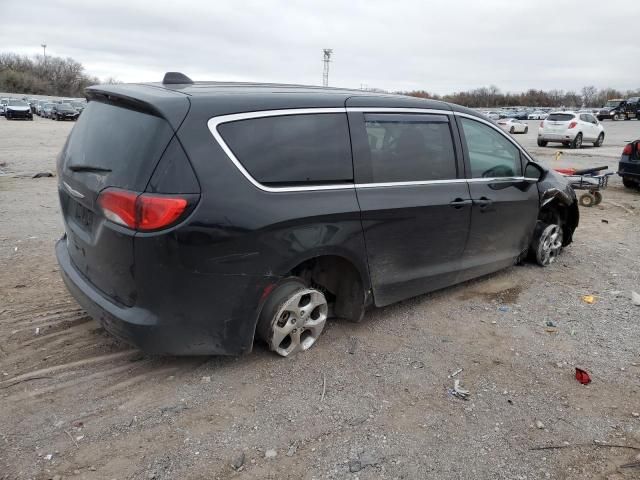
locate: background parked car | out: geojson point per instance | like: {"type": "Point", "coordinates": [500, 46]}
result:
{"type": "Point", "coordinates": [63, 111]}
{"type": "Point", "coordinates": [537, 115]}
{"type": "Point", "coordinates": [492, 115]}
{"type": "Point", "coordinates": [45, 111]}
{"type": "Point", "coordinates": [512, 125]}
{"type": "Point", "coordinates": [79, 106]}
{"type": "Point", "coordinates": [3, 102]}
{"type": "Point", "coordinates": [15, 109]}
{"type": "Point", "coordinates": [571, 129]}
{"type": "Point", "coordinates": [629, 166]}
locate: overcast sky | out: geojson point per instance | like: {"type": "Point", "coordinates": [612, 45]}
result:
{"type": "Point", "coordinates": [440, 46]}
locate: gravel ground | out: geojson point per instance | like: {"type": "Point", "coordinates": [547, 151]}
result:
{"type": "Point", "coordinates": [76, 403]}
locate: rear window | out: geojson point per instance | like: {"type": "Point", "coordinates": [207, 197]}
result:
{"type": "Point", "coordinates": [123, 144]}
{"type": "Point", "coordinates": [292, 149]}
{"type": "Point", "coordinates": [560, 117]}
{"type": "Point", "coordinates": [406, 148]}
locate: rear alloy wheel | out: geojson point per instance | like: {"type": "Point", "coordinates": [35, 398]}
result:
{"type": "Point", "coordinates": [542, 143]}
{"type": "Point", "coordinates": [577, 142]}
{"type": "Point", "coordinates": [599, 141]}
{"type": "Point", "coordinates": [526, 129]}
{"type": "Point", "coordinates": [293, 318]}
{"type": "Point", "coordinates": [548, 244]}
{"type": "Point", "coordinates": [512, 130]}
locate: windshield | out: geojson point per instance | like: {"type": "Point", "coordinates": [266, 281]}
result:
{"type": "Point", "coordinates": [17, 103]}
{"type": "Point", "coordinates": [77, 104]}
{"type": "Point", "coordinates": [613, 103]}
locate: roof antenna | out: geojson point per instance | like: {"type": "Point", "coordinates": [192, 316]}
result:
{"type": "Point", "coordinates": [175, 78]}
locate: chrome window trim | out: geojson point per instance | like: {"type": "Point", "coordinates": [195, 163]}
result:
{"type": "Point", "coordinates": [497, 129]}
{"type": "Point", "coordinates": [214, 122]}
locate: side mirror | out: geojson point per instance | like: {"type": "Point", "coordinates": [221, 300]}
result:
{"type": "Point", "coordinates": [534, 172]}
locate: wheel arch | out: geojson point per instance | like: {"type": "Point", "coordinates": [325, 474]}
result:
{"type": "Point", "coordinates": [558, 205]}
{"type": "Point", "coordinates": [341, 276]}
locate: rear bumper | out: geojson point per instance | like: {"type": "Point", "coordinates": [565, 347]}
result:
{"type": "Point", "coordinates": [629, 169]}
{"type": "Point", "coordinates": [219, 323]}
{"type": "Point", "coordinates": [556, 137]}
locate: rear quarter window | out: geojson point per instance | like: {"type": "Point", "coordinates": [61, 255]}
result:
{"type": "Point", "coordinates": [292, 149]}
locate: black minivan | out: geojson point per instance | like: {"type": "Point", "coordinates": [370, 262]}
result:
{"type": "Point", "coordinates": [200, 215]}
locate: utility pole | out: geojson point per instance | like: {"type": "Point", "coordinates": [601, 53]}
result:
{"type": "Point", "coordinates": [44, 51]}
{"type": "Point", "coordinates": [325, 72]}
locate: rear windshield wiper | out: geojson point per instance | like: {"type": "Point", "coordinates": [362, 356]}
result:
{"type": "Point", "coordinates": [88, 168]}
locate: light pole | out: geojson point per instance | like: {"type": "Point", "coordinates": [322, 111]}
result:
{"type": "Point", "coordinates": [44, 51]}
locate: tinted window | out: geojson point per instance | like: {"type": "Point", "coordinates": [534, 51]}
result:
{"type": "Point", "coordinates": [560, 117]}
{"type": "Point", "coordinates": [490, 153]}
{"type": "Point", "coordinates": [584, 118]}
{"type": "Point", "coordinates": [292, 148]}
{"type": "Point", "coordinates": [408, 148]}
{"type": "Point", "coordinates": [125, 144]}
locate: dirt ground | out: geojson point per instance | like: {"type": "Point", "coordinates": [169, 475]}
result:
{"type": "Point", "coordinates": [369, 401]}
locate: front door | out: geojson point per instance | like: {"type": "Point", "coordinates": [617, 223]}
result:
{"type": "Point", "coordinates": [505, 203]}
{"type": "Point", "coordinates": [414, 200]}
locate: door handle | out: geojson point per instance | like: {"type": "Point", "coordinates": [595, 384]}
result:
{"type": "Point", "coordinates": [459, 203]}
{"type": "Point", "coordinates": [482, 202]}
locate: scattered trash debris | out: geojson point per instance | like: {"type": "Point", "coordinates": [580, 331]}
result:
{"type": "Point", "coordinates": [37, 330]}
{"type": "Point", "coordinates": [292, 450]}
{"type": "Point", "coordinates": [455, 373]}
{"type": "Point", "coordinates": [205, 380]}
{"type": "Point", "coordinates": [551, 330]}
{"type": "Point", "coordinates": [539, 425]}
{"type": "Point", "coordinates": [458, 391]}
{"type": "Point", "coordinates": [604, 220]}
{"type": "Point", "coordinates": [635, 298]}
{"type": "Point", "coordinates": [582, 376]}
{"type": "Point", "coordinates": [48, 456]}
{"type": "Point", "coordinates": [588, 299]}
{"type": "Point", "coordinates": [550, 323]}
{"type": "Point", "coordinates": [271, 453]}
{"type": "Point", "coordinates": [503, 308]}
{"type": "Point", "coordinates": [631, 465]}
{"type": "Point", "coordinates": [238, 462]}
{"type": "Point", "coordinates": [353, 344]}
{"type": "Point", "coordinates": [20, 285]}
{"type": "Point", "coordinates": [43, 175]}
{"type": "Point", "coordinates": [635, 414]}
{"type": "Point", "coordinates": [417, 364]}
{"type": "Point", "coordinates": [77, 424]}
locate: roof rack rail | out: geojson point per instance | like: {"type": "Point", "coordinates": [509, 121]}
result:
{"type": "Point", "coordinates": [175, 78]}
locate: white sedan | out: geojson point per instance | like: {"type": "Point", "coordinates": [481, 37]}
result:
{"type": "Point", "coordinates": [537, 115]}
{"type": "Point", "coordinates": [512, 125]}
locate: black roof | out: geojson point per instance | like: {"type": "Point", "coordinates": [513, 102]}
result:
{"type": "Point", "coordinates": [220, 98]}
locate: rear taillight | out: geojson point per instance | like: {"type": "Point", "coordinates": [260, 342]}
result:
{"type": "Point", "coordinates": [142, 212]}
{"type": "Point", "coordinates": [573, 125]}
{"type": "Point", "coordinates": [628, 149]}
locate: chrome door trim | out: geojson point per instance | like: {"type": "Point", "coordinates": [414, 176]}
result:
{"type": "Point", "coordinates": [214, 122]}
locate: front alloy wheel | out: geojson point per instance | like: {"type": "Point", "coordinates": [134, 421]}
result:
{"type": "Point", "coordinates": [548, 244]}
{"type": "Point", "coordinates": [293, 318]}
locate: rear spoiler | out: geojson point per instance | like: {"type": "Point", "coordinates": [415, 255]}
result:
{"type": "Point", "coordinates": [154, 100]}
